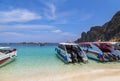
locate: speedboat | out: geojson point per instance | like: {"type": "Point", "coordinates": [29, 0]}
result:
{"type": "Point", "coordinates": [110, 49]}
{"type": "Point", "coordinates": [117, 45]}
{"type": "Point", "coordinates": [101, 51]}
{"type": "Point", "coordinates": [92, 51]}
{"type": "Point", "coordinates": [7, 55]}
{"type": "Point", "coordinates": [71, 53]}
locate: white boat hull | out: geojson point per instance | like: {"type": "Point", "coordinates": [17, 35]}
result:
{"type": "Point", "coordinates": [7, 57]}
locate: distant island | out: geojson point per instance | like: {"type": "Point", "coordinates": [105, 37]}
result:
{"type": "Point", "coordinates": [38, 43]}
{"type": "Point", "coordinates": [31, 43]}
{"type": "Point", "coordinates": [110, 31]}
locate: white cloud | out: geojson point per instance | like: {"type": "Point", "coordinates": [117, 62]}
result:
{"type": "Point", "coordinates": [18, 15]}
{"type": "Point", "coordinates": [56, 36]}
{"type": "Point", "coordinates": [57, 31]}
{"type": "Point", "coordinates": [62, 33]}
{"type": "Point", "coordinates": [68, 34]}
{"type": "Point", "coordinates": [10, 34]}
{"type": "Point", "coordinates": [44, 37]}
{"type": "Point", "coordinates": [50, 11]}
{"type": "Point", "coordinates": [33, 28]}
{"type": "Point", "coordinates": [25, 27]}
{"type": "Point", "coordinates": [17, 37]}
{"type": "Point", "coordinates": [64, 17]}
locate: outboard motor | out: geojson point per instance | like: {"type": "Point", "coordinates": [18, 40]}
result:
{"type": "Point", "coordinates": [74, 57]}
{"type": "Point", "coordinates": [83, 57]}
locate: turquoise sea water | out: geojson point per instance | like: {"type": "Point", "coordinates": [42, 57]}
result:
{"type": "Point", "coordinates": [35, 59]}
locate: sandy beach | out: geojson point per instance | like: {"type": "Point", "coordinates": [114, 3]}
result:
{"type": "Point", "coordinates": [31, 65]}
{"type": "Point", "coordinates": [92, 75]}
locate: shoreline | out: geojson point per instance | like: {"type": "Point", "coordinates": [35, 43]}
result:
{"type": "Point", "coordinates": [90, 75]}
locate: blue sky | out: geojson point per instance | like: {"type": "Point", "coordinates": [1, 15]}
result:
{"type": "Point", "coordinates": [52, 20]}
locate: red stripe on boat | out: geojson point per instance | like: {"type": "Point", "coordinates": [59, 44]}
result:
{"type": "Point", "coordinates": [4, 60]}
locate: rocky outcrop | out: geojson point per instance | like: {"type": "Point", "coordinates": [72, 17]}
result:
{"type": "Point", "coordinates": [110, 31]}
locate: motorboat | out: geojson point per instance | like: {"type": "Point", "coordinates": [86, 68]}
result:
{"type": "Point", "coordinates": [7, 55]}
{"type": "Point", "coordinates": [101, 51]}
{"type": "Point", "coordinates": [117, 45]}
{"type": "Point", "coordinates": [92, 51]}
{"type": "Point", "coordinates": [111, 49]}
{"type": "Point", "coordinates": [71, 53]}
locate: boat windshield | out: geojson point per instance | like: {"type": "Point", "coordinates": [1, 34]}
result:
{"type": "Point", "coordinates": [73, 48]}
{"type": "Point", "coordinates": [62, 47]}
{"type": "Point", "coordinates": [6, 50]}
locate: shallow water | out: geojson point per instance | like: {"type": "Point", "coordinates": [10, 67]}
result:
{"type": "Point", "coordinates": [35, 59]}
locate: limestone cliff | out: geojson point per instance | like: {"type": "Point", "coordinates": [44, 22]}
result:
{"type": "Point", "coordinates": [110, 31]}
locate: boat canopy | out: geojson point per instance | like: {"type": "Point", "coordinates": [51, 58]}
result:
{"type": "Point", "coordinates": [5, 48]}
{"type": "Point", "coordinates": [68, 44]}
